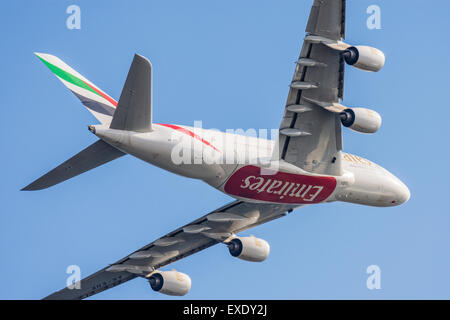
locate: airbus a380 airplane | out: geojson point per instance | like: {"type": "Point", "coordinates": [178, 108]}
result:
{"type": "Point", "coordinates": [305, 165]}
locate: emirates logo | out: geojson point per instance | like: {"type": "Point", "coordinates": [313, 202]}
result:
{"type": "Point", "coordinates": [281, 187]}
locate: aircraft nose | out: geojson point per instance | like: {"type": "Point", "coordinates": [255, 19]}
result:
{"type": "Point", "coordinates": [402, 193]}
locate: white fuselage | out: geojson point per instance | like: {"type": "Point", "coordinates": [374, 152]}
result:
{"type": "Point", "coordinates": [241, 167]}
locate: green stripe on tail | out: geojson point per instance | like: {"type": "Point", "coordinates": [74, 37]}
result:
{"type": "Point", "coordinates": [68, 77]}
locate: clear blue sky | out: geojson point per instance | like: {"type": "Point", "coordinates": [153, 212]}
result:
{"type": "Point", "coordinates": [229, 64]}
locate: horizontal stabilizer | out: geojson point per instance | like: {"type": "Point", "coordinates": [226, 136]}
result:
{"type": "Point", "coordinates": [134, 110]}
{"type": "Point", "coordinates": [93, 156]}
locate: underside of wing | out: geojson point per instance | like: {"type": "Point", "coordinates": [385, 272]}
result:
{"type": "Point", "coordinates": [214, 227]}
{"type": "Point", "coordinates": [310, 135]}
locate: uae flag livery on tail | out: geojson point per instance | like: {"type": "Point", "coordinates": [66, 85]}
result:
{"type": "Point", "coordinates": [101, 105]}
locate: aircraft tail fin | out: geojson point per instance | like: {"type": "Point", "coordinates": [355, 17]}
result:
{"type": "Point", "coordinates": [93, 156]}
{"type": "Point", "coordinates": [101, 105]}
{"type": "Point", "coordinates": [134, 110]}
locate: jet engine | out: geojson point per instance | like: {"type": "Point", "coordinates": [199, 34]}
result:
{"type": "Point", "coordinates": [361, 120]}
{"type": "Point", "coordinates": [172, 283]}
{"type": "Point", "coordinates": [365, 58]}
{"type": "Point", "coordinates": [249, 248]}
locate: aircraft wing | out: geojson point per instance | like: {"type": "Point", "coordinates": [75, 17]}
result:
{"type": "Point", "coordinates": [200, 234]}
{"type": "Point", "coordinates": [310, 135]}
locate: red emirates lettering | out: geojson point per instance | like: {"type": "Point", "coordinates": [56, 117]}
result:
{"type": "Point", "coordinates": [280, 187]}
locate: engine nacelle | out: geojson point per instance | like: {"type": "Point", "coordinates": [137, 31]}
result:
{"type": "Point", "coordinates": [172, 283]}
{"type": "Point", "coordinates": [361, 120]}
{"type": "Point", "coordinates": [365, 58]}
{"type": "Point", "coordinates": [249, 248]}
